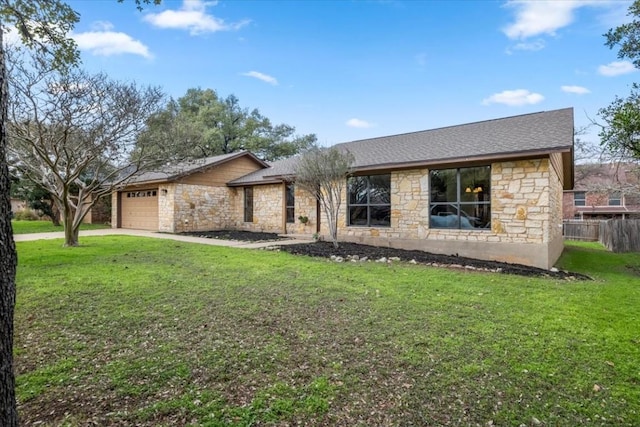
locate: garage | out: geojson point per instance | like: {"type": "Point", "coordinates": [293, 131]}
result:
{"type": "Point", "coordinates": [139, 209]}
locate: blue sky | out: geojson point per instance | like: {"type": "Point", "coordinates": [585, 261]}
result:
{"type": "Point", "coordinates": [348, 70]}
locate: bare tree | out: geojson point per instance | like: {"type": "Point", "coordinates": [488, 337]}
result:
{"type": "Point", "coordinates": [323, 173]}
{"type": "Point", "coordinates": [71, 133]}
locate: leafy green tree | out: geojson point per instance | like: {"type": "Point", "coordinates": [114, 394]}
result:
{"type": "Point", "coordinates": [620, 131]}
{"type": "Point", "coordinates": [37, 198]}
{"type": "Point", "coordinates": [202, 124]}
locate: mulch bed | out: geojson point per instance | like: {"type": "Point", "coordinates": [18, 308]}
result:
{"type": "Point", "coordinates": [349, 251]}
{"type": "Point", "coordinates": [243, 236]}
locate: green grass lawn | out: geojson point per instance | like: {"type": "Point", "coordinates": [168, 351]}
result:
{"type": "Point", "coordinates": [26, 227]}
{"type": "Point", "coordinates": [132, 331]}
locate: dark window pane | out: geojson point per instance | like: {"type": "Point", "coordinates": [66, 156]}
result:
{"type": "Point", "coordinates": [248, 204]}
{"type": "Point", "coordinates": [443, 185]}
{"type": "Point", "coordinates": [358, 215]}
{"type": "Point", "coordinates": [380, 216]}
{"type": "Point", "coordinates": [290, 202]}
{"type": "Point", "coordinates": [471, 208]}
{"type": "Point", "coordinates": [474, 184]}
{"type": "Point", "coordinates": [380, 189]}
{"type": "Point", "coordinates": [290, 195]}
{"type": "Point", "coordinates": [614, 199]}
{"type": "Point", "coordinates": [370, 200]}
{"type": "Point", "coordinates": [358, 190]}
{"type": "Point", "coordinates": [475, 216]}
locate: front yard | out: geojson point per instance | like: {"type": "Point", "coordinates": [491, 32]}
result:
{"type": "Point", "coordinates": [131, 331]}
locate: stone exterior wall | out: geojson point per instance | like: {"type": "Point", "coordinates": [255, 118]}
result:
{"type": "Point", "coordinates": [114, 209]}
{"type": "Point", "coordinates": [268, 202]}
{"type": "Point", "coordinates": [555, 206]}
{"type": "Point", "coordinates": [526, 213]}
{"type": "Point", "coordinates": [555, 237]}
{"type": "Point", "coordinates": [166, 208]}
{"type": "Point", "coordinates": [305, 205]}
{"type": "Point", "coordinates": [520, 202]}
{"type": "Point", "coordinates": [199, 207]}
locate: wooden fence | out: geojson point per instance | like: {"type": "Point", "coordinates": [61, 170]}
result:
{"type": "Point", "coordinates": [581, 230]}
{"type": "Point", "coordinates": [620, 235]}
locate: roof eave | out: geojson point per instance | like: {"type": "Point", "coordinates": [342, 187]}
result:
{"type": "Point", "coordinates": [182, 174]}
{"type": "Point", "coordinates": [516, 155]}
{"type": "Point", "coordinates": [252, 183]}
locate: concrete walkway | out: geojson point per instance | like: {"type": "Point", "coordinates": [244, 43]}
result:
{"type": "Point", "coordinates": [155, 235]}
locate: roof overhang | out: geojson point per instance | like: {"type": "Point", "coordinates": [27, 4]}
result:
{"type": "Point", "coordinates": [182, 174]}
{"type": "Point", "coordinates": [567, 157]}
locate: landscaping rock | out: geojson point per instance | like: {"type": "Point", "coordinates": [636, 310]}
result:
{"type": "Point", "coordinates": [384, 255]}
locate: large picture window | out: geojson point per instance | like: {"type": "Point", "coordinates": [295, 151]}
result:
{"type": "Point", "coordinates": [290, 202]}
{"type": "Point", "coordinates": [248, 204]}
{"type": "Point", "coordinates": [460, 198]}
{"type": "Point", "coordinates": [369, 201]}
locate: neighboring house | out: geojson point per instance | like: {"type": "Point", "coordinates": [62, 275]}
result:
{"type": "Point", "coordinates": [488, 190]}
{"type": "Point", "coordinates": [17, 205]}
{"type": "Point", "coordinates": [604, 191]}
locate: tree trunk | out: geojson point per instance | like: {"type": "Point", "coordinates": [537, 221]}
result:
{"type": "Point", "coordinates": [55, 214]}
{"type": "Point", "coordinates": [70, 233]}
{"type": "Point", "coordinates": [8, 261]}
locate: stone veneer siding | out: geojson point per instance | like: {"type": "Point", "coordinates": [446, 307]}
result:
{"type": "Point", "coordinates": [115, 208]}
{"type": "Point", "coordinates": [305, 205]}
{"type": "Point", "coordinates": [267, 209]}
{"type": "Point", "coordinates": [195, 208]}
{"type": "Point", "coordinates": [526, 212]}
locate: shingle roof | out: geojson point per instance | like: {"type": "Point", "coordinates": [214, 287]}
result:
{"type": "Point", "coordinates": [175, 171]}
{"type": "Point", "coordinates": [543, 132]}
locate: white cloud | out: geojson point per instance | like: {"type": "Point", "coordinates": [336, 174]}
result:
{"type": "Point", "coordinates": [514, 98]}
{"type": "Point", "coordinates": [616, 68]}
{"type": "Point", "coordinates": [358, 123]}
{"type": "Point", "coordinates": [104, 42]}
{"type": "Point", "coordinates": [578, 90]}
{"type": "Point", "coordinates": [101, 26]}
{"type": "Point", "coordinates": [542, 17]}
{"type": "Point", "coordinates": [530, 46]}
{"type": "Point", "coordinates": [192, 16]}
{"type": "Point", "coordinates": [12, 36]}
{"type": "Point", "coordinates": [260, 76]}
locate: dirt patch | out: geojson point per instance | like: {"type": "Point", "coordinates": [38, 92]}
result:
{"type": "Point", "coordinates": [359, 253]}
{"type": "Point", "coordinates": [242, 236]}
{"type": "Point", "coordinates": [634, 269]}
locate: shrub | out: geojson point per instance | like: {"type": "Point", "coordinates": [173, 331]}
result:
{"type": "Point", "coordinates": [26, 214]}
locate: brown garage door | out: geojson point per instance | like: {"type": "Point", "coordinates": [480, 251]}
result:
{"type": "Point", "coordinates": [140, 209]}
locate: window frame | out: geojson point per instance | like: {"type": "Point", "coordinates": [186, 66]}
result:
{"type": "Point", "coordinates": [580, 201]}
{"type": "Point", "coordinates": [614, 199]}
{"type": "Point", "coordinates": [368, 205]}
{"type": "Point", "coordinates": [459, 202]}
{"type": "Point", "coordinates": [248, 204]}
